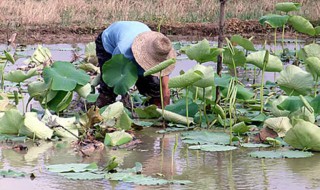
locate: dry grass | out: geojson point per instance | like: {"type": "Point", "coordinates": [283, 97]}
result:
{"type": "Point", "coordinates": [101, 12]}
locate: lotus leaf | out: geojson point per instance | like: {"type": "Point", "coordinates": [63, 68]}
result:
{"type": "Point", "coordinates": [11, 173]}
{"type": "Point", "coordinates": [208, 76]}
{"type": "Point", "coordinates": [11, 122]}
{"type": "Point", "coordinates": [238, 58]}
{"type": "Point", "coordinates": [117, 138]}
{"type": "Point", "coordinates": [9, 57]}
{"type": "Point", "coordinates": [83, 176]}
{"type": "Point", "coordinates": [60, 101]}
{"type": "Point", "coordinates": [186, 79]}
{"type": "Point", "coordinates": [274, 107]}
{"type": "Point", "coordinates": [161, 66]}
{"type": "Point", "coordinates": [90, 49]}
{"type": "Point", "coordinates": [116, 112]}
{"type": "Point", "coordinates": [179, 107]}
{"type": "Point", "coordinates": [243, 42]}
{"type": "Point", "coordinates": [64, 76]}
{"type": "Point", "coordinates": [303, 113]}
{"type": "Point", "coordinates": [302, 25]}
{"type": "Point", "coordinates": [317, 29]}
{"type": "Point", "coordinates": [40, 56]}
{"type": "Point", "coordinates": [251, 145]}
{"type": "Point", "coordinates": [10, 138]}
{"type": "Point", "coordinates": [275, 21]}
{"type": "Point", "coordinates": [280, 154]}
{"type": "Point", "coordinates": [288, 6]}
{"type": "Point", "coordinates": [84, 90]}
{"type": "Point", "coordinates": [65, 168]}
{"type": "Point", "coordinates": [37, 90]}
{"type": "Point", "coordinates": [19, 76]}
{"type": "Point", "coordinates": [4, 102]}
{"type": "Point", "coordinates": [291, 103]}
{"type": "Point", "coordinates": [212, 148]}
{"type": "Point", "coordinates": [149, 112]}
{"type": "Point", "coordinates": [281, 125]}
{"type": "Point", "coordinates": [315, 103]}
{"type": "Point", "coordinates": [175, 118]}
{"type": "Point", "coordinates": [204, 137]}
{"type": "Point", "coordinates": [304, 136]}
{"type": "Point", "coordinates": [313, 66]}
{"type": "Point", "coordinates": [89, 67]}
{"type": "Point", "coordinates": [201, 52]}
{"type": "Point", "coordinates": [240, 128]}
{"type": "Point", "coordinates": [242, 92]}
{"type": "Point", "coordinates": [209, 92]}
{"type": "Point", "coordinates": [295, 81]}
{"type": "Point", "coordinates": [33, 127]}
{"type": "Point", "coordinates": [119, 73]}
{"type": "Point", "coordinates": [311, 50]}
{"type": "Point", "coordinates": [274, 64]}
{"type": "Point", "coordinates": [67, 123]}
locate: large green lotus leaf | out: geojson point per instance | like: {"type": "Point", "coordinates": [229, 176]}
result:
{"type": "Point", "coordinates": [280, 154]}
{"type": "Point", "coordinates": [313, 66]}
{"type": "Point", "coordinates": [186, 79]}
{"type": "Point", "coordinates": [209, 92]}
{"type": "Point", "coordinates": [64, 76]}
{"type": "Point", "coordinates": [275, 21]}
{"type": "Point", "coordinates": [175, 118]}
{"type": "Point", "coordinates": [116, 113]}
{"type": "Point", "coordinates": [34, 127]}
{"type": "Point", "coordinates": [119, 73]}
{"type": "Point", "coordinates": [60, 101]}
{"type": "Point", "coordinates": [11, 122]}
{"type": "Point", "coordinates": [67, 168]}
{"type": "Point", "coordinates": [37, 90]}
{"type": "Point", "coordinates": [281, 125]}
{"type": "Point", "coordinates": [311, 50]}
{"type": "Point", "coordinates": [149, 112]}
{"type": "Point", "coordinates": [243, 42]}
{"type": "Point", "coordinates": [67, 123]}
{"type": "Point", "coordinates": [11, 173]}
{"type": "Point", "coordinates": [208, 76]}
{"type": "Point", "coordinates": [290, 103]}
{"type": "Point", "coordinates": [84, 90]}
{"type": "Point", "coordinates": [212, 148]}
{"type": "Point", "coordinates": [302, 25]}
{"type": "Point", "coordinates": [315, 103]}
{"type": "Point", "coordinates": [83, 176]}
{"type": "Point", "coordinates": [19, 76]}
{"type": "Point", "coordinates": [239, 58]}
{"type": "Point", "coordinates": [274, 64]}
{"type": "Point", "coordinates": [117, 138]}
{"type": "Point", "coordinates": [303, 113]}
{"type": "Point", "coordinates": [205, 137]}
{"type": "Point", "coordinates": [201, 52]}
{"type": "Point", "coordinates": [240, 128]}
{"type": "Point", "coordinates": [304, 136]}
{"type": "Point", "coordinates": [295, 81]}
{"type": "Point", "coordinates": [274, 107]}
{"type": "Point", "coordinates": [288, 6]}
{"type": "Point", "coordinates": [179, 107]}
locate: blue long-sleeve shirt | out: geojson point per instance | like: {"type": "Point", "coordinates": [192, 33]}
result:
{"type": "Point", "coordinates": [119, 36]}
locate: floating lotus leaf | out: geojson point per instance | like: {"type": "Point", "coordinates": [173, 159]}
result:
{"type": "Point", "coordinates": [19, 76]}
{"type": "Point", "coordinates": [275, 21]}
{"type": "Point", "coordinates": [64, 76]}
{"type": "Point", "coordinates": [302, 25]}
{"type": "Point", "coordinates": [83, 176]}
{"type": "Point", "coordinates": [212, 148]}
{"type": "Point", "coordinates": [208, 76]}
{"type": "Point", "coordinates": [11, 122]}
{"type": "Point", "coordinates": [252, 145]}
{"type": "Point", "coordinates": [274, 107]}
{"type": "Point", "coordinates": [256, 58]}
{"type": "Point", "coordinates": [304, 136]}
{"type": "Point", "coordinates": [280, 125]}
{"type": "Point", "coordinates": [116, 112]}
{"type": "Point", "coordinates": [84, 90]}
{"type": "Point", "coordinates": [117, 138]}
{"type": "Point", "coordinates": [288, 6]}
{"type": "Point", "coordinates": [64, 168]}
{"type": "Point", "coordinates": [238, 58]}
{"type": "Point", "coordinates": [34, 127]}
{"type": "Point", "coordinates": [280, 154]}
{"type": "Point", "coordinates": [243, 42]}
{"type": "Point", "coordinates": [67, 123]}
{"type": "Point", "coordinates": [120, 73]}
{"type": "Point", "coordinates": [201, 52]}
{"type": "Point", "coordinates": [179, 107]}
{"type": "Point", "coordinates": [175, 118]}
{"type": "Point", "coordinates": [204, 137]}
{"type": "Point", "coordinates": [11, 174]}
{"type": "Point", "coordinates": [313, 66]}
{"type": "Point", "coordinates": [295, 81]}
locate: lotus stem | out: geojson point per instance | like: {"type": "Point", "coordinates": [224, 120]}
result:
{"type": "Point", "coordinates": [275, 40]}
{"type": "Point", "coordinates": [204, 107]}
{"type": "Point", "coordinates": [161, 96]}
{"type": "Point", "coordinates": [282, 41]}
{"type": "Point", "coordinates": [187, 110]}
{"type": "Point", "coordinates": [315, 86]}
{"type": "Point", "coordinates": [261, 90]}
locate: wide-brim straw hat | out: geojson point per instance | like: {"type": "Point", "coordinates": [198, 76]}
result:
{"type": "Point", "coordinates": [151, 48]}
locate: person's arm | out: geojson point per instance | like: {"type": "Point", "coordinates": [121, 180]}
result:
{"type": "Point", "coordinates": [165, 90]}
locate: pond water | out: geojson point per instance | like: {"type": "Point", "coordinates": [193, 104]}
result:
{"type": "Point", "coordinates": [207, 170]}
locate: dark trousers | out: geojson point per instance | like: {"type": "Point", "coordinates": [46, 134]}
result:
{"type": "Point", "coordinates": [148, 86]}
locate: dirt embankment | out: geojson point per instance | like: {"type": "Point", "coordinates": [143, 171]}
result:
{"type": "Point", "coordinates": [190, 31]}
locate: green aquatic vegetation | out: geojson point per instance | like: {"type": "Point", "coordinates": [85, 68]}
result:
{"type": "Point", "coordinates": [252, 145]}
{"type": "Point", "coordinates": [202, 52]}
{"type": "Point", "coordinates": [287, 6]}
{"type": "Point", "coordinates": [212, 148]}
{"type": "Point", "coordinates": [205, 137]}
{"type": "Point", "coordinates": [281, 125]}
{"type": "Point", "coordinates": [179, 107]}
{"type": "Point", "coordinates": [40, 57]}
{"type": "Point", "coordinates": [8, 58]}
{"type": "Point", "coordinates": [19, 76]}
{"type": "Point", "coordinates": [302, 25]}
{"type": "Point", "coordinates": [117, 138]}
{"type": "Point", "coordinates": [240, 128]}
{"type": "Point", "coordinates": [11, 173]}
{"type": "Point", "coordinates": [280, 154]}
{"type": "Point", "coordinates": [115, 116]}
{"type": "Point", "coordinates": [274, 63]}
{"type": "Point", "coordinates": [64, 168]}
{"type": "Point", "coordinates": [275, 109]}
{"type": "Point", "coordinates": [11, 122]}
{"type": "Point", "coordinates": [243, 42]}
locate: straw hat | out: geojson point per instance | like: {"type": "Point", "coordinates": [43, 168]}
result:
{"type": "Point", "coordinates": [151, 48]}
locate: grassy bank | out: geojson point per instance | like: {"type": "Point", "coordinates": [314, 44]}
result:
{"type": "Point", "coordinates": [96, 13]}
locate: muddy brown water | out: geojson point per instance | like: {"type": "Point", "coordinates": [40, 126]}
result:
{"type": "Point", "coordinates": [207, 170]}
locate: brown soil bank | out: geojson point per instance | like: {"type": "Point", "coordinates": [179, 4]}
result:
{"type": "Point", "coordinates": [191, 31]}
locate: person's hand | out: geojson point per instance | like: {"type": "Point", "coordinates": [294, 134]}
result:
{"type": "Point", "coordinates": [165, 90]}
